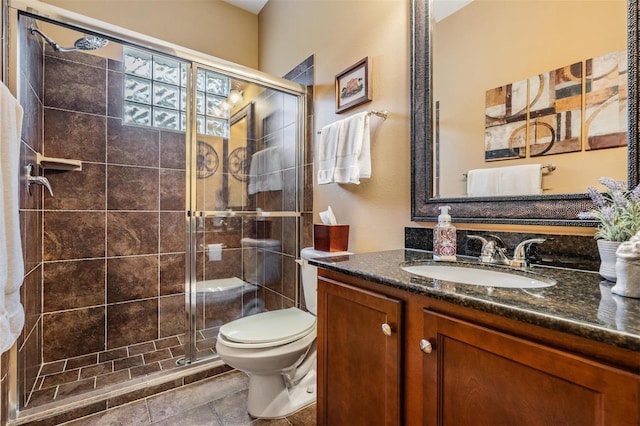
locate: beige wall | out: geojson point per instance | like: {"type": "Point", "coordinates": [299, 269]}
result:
{"type": "Point", "coordinates": [340, 33]}
{"type": "Point", "coordinates": [208, 26]}
{"type": "Point", "coordinates": [489, 44]}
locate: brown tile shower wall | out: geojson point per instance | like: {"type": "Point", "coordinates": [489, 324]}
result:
{"type": "Point", "coordinates": [31, 98]}
{"type": "Point", "coordinates": [113, 234]}
{"type": "Point", "coordinates": [304, 74]}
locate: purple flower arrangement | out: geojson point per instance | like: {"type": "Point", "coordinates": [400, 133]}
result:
{"type": "Point", "coordinates": [617, 210]}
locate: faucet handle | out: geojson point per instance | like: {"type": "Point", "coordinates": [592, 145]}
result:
{"type": "Point", "coordinates": [519, 254]}
{"type": "Point", "coordinates": [488, 248]}
{"type": "Point", "coordinates": [40, 180]}
{"type": "Point", "coordinates": [477, 237]}
{"type": "Point", "coordinates": [498, 240]}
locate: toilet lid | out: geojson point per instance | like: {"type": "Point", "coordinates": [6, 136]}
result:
{"type": "Point", "coordinates": [281, 326]}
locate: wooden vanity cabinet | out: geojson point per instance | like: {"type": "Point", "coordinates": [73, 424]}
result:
{"type": "Point", "coordinates": [448, 365]}
{"type": "Point", "coordinates": [358, 374]}
{"type": "Point", "coordinates": [481, 376]}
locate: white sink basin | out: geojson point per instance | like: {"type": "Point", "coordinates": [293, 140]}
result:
{"type": "Point", "coordinates": [479, 276]}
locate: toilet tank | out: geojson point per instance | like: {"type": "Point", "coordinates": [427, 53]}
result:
{"type": "Point", "coordinates": [309, 275]}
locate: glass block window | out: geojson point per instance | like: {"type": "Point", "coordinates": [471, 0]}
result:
{"type": "Point", "coordinates": [155, 94]}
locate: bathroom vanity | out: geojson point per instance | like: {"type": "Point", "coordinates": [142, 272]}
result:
{"type": "Point", "coordinates": [396, 348]}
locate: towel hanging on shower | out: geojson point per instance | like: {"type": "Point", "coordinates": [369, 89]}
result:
{"type": "Point", "coordinates": [265, 171]}
{"type": "Point", "coordinates": [11, 263]}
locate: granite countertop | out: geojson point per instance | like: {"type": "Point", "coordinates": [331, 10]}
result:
{"type": "Point", "coordinates": [581, 303]}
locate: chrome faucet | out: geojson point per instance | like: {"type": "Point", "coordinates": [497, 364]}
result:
{"type": "Point", "coordinates": [520, 255]}
{"type": "Point", "coordinates": [491, 253]}
{"type": "Point", "coordinates": [40, 180]}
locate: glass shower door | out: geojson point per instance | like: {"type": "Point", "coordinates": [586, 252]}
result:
{"type": "Point", "coordinates": [245, 205]}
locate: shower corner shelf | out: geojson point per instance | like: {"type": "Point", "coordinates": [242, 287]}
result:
{"type": "Point", "coordinates": [53, 163]}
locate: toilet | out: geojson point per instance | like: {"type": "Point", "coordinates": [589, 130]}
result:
{"type": "Point", "coordinates": [277, 349]}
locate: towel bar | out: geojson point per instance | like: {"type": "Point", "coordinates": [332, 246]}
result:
{"type": "Point", "coordinates": [382, 114]}
{"type": "Point", "coordinates": [549, 167]}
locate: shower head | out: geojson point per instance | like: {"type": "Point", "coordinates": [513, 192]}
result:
{"type": "Point", "coordinates": [87, 42]}
{"type": "Point", "coordinates": [90, 42]}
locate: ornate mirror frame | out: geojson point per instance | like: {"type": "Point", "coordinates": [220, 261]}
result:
{"type": "Point", "coordinates": [550, 210]}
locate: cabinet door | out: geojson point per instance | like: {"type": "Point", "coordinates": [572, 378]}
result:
{"type": "Point", "coordinates": [478, 376]}
{"type": "Point", "coordinates": [358, 356]}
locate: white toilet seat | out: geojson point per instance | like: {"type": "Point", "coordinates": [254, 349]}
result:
{"type": "Point", "coordinates": [268, 329]}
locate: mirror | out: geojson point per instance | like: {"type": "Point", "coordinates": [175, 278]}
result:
{"type": "Point", "coordinates": [427, 170]}
{"type": "Point", "coordinates": [240, 144]}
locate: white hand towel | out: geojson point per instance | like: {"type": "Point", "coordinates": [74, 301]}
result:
{"type": "Point", "coordinates": [482, 182]}
{"type": "Point", "coordinates": [265, 171]}
{"type": "Point", "coordinates": [11, 263]}
{"type": "Point", "coordinates": [525, 179]}
{"type": "Point", "coordinates": [353, 159]}
{"type": "Point", "coordinates": [327, 152]}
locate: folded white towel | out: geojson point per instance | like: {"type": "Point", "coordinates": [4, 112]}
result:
{"type": "Point", "coordinates": [345, 150]}
{"type": "Point", "coordinates": [353, 153]}
{"type": "Point", "coordinates": [11, 263]}
{"type": "Point", "coordinates": [327, 152]}
{"type": "Point", "coordinates": [525, 179]}
{"type": "Point", "coordinates": [482, 182]}
{"type": "Point", "coordinates": [265, 171]}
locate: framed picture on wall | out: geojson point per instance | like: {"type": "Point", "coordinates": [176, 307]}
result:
{"type": "Point", "coordinates": [353, 86]}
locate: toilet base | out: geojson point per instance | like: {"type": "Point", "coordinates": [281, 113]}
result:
{"type": "Point", "coordinates": [269, 397]}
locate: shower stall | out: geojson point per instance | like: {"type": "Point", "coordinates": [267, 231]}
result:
{"type": "Point", "coordinates": [165, 166]}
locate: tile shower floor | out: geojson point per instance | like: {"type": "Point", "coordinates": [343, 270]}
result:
{"type": "Point", "coordinates": [74, 376]}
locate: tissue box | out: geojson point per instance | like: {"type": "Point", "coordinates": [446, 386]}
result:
{"type": "Point", "coordinates": [330, 237]}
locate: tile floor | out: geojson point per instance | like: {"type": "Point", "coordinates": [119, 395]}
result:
{"type": "Point", "coordinates": [74, 376]}
{"type": "Point", "coordinates": [219, 401]}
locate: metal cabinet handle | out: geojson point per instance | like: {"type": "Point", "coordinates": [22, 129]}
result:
{"type": "Point", "coordinates": [425, 346]}
{"type": "Point", "coordinates": [386, 329]}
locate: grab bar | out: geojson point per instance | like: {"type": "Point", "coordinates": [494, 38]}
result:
{"type": "Point", "coordinates": [234, 213]}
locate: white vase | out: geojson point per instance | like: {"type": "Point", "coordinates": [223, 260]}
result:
{"type": "Point", "coordinates": [628, 278]}
{"type": "Point", "coordinates": [607, 250]}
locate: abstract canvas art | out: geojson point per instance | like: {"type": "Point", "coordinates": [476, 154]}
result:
{"type": "Point", "coordinates": [505, 121]}
{"type": "Point", "coordinates": [606, 101]}
{"type": "Point", "coordinates": [547, 114]}
{"type": "Point", "coordinates": [555, 116]}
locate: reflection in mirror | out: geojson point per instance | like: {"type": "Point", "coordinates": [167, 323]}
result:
{"type": "Point", "coordinates": [241, 142]}
{"type": "Point", "coordinates": [509, 81]}
{"type": "Point", "coordinates": [437, 127]}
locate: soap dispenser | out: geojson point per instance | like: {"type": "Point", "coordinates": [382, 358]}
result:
{"type": "Point", "coordinates": [444, 237]}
